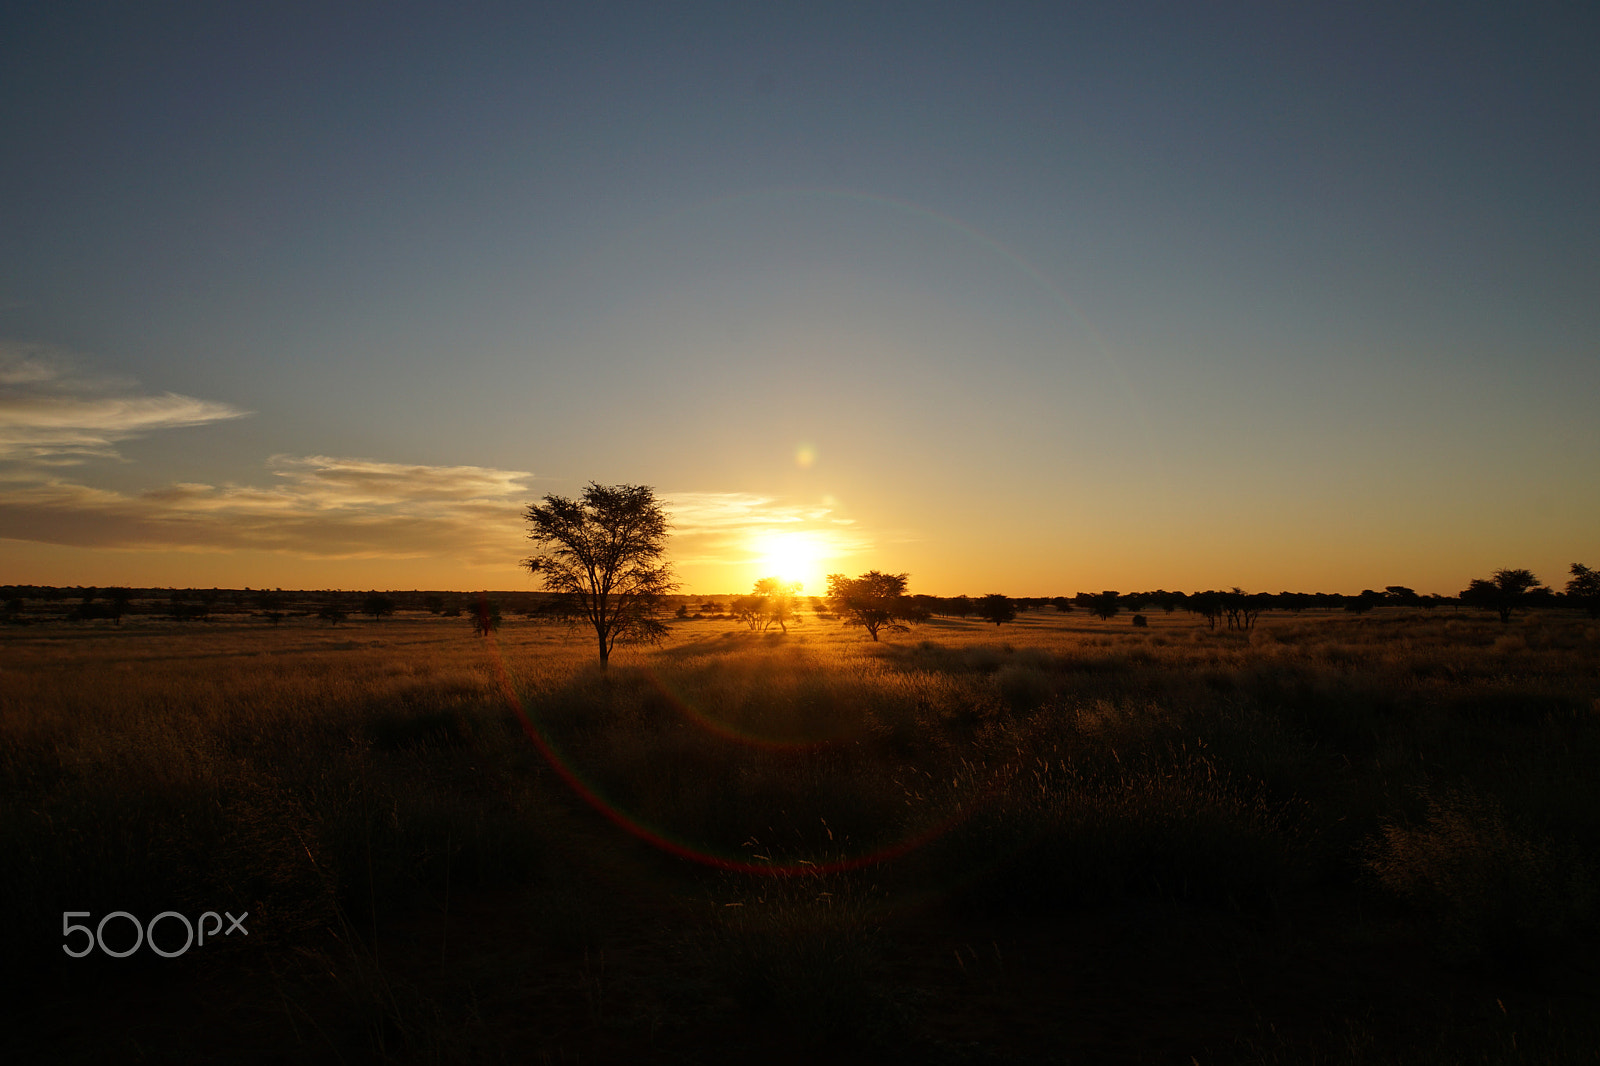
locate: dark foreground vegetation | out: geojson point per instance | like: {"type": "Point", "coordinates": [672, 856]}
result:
{"type": "Point", "coordinates": [1360, 838]}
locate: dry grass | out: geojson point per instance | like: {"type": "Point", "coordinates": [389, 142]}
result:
{"type": "Point", "coordinates": [1358, 785]}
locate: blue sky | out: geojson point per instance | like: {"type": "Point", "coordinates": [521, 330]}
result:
{"type": "Point", "coordinates": [1024, 298]}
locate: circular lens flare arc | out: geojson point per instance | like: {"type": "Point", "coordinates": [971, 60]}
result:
{"type": "Point", "coordinates": [634, 828]}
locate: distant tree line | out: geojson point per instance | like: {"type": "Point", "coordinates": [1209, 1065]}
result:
{"type": "Point", "coordinates": [1505, 592]}
{"type": "Point", "coordinates": [772, 605]}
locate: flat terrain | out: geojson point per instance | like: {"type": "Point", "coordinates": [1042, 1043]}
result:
{"type": "Point", "coordinates": [1335, 839]}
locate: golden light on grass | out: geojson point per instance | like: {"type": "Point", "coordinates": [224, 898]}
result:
{"type": "Point", "coordinates": [360, 777]}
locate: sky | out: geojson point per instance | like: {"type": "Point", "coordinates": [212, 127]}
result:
{"type": "Point", "coordinates": [1022, 298]}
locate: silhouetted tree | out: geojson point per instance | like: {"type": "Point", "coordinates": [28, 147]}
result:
{"type": "Point", "coordinates": [120, 598]}
{"type": "Point", "coordinates": [1503, 593]}
{"type": "Point", "coordinates": [1292, 601]}
{"type": "Point", "coordinates": [961, 606]}
{"type": "Point", "coordinates": [1207, 605]}
{"type": "Point", "coordinates": [772, 604]}
{"type": "Point", "coordinates": [874, 601]}
{"type": "Point", "coordinates": [332, 615]}
{"type": "Point", "coordinates": [1363, 603]}
{"type": "Point", "coordinates": [603, 556]}
{"type": "Point", "coordinates": [377, 606]}
{"type": "Point", "coordinates": [485, 615]}
{"type": "Point", "coordinates": [1167, 601]}
{"type": "Point", "coordinates": [1402, 596]}
{"type": "Point", "coordinates": [433, 604]}
{"type": "Point", "coordinates": [746, 609]}
{"type": "Point", "coordinates": [1062, 604]}
{"type": "Point", "coordinates": [1104, 606]}
{"type": "Point", "coordinates": [1584, 589]}
{"type": "Point", "coordinates": [1242, 608]}
{"type": "Point", "coordinates": [996, 608]}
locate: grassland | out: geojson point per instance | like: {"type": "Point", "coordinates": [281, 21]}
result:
{"type": "Point", "coordinates": [1339, 840]}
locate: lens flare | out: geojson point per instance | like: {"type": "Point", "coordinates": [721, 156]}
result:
{"type": "Point", "coordinates": [684, 849]}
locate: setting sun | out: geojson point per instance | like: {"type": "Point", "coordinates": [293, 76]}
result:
{"type": "Point", "coordinates": [792, 557]}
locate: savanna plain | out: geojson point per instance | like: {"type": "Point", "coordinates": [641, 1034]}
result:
{"type": "Point", "coordinates": [1334, 839]}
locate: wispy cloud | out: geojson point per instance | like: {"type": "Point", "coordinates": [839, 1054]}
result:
{"type": "Point", "coordinates": [322, 507]}
{"type": "Point", "coordinates": [725, 528]}
{"type": "Point", "coordinates": [330, 507]}
{"type": "Point", "coordinates": [52, 415]}
{"type": "Point", "coordinates": [365, 482]}
{"type": "Point", "coordinates": [316, 506]}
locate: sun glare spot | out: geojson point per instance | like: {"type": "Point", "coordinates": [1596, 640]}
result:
{"type": "Point", "coordinates": [805, 456]}
{"type": "Point", "coordinates": [791, 556]}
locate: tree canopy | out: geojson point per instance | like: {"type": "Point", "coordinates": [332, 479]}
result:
{"type": "Point", "coordinates": [377, 605]}
{"type": "Point", "coordinates": [996, 608]}
{"type": "Point", "coordinates": [485, 615]}
{"type": "Point", "coordinates": [1105, 606]}
{"type": "Point", "coordinates": [603, 555]}
{"type": "Point", "coordinates": [875, 601]}
{"type": "Point", "coordinates": [1584, 588]}
{"type": "Point", "coordinates": [772, 603]}
{"type": "Point", "coordinates": [1503, 593]}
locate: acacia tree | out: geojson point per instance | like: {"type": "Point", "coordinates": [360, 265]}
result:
{"type": "Point", "coordinates": [378, 606]}
{"type": "Point", "coordinates": [996, 608]}
{"type": "Point", "coordinates": [485, 615]}
{"type": "Point", "coordinates": [1242, 608]}
{"type": "Point", "coordinates": [120, 598]}
{"type": "Point", "coordinates": [774, 603]}
{"type": "Point", "coordinates": [1207, 605]}
{"type": "Point", "coordinates": [602, 555]}
{"type": "Point", "coordinates": [1105, 605]}
{"type": "Point", "coordinates": [1503, 593]}
{"type": "Point", "coordinates": [876, 602]}
{"type": "Point", "coordinates": [1584, 589]}
{"type": "Point", "coordinates": [1405, 597]}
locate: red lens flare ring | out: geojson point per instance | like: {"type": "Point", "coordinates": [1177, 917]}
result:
{"type": "Point", "coordinates": [635, 828]}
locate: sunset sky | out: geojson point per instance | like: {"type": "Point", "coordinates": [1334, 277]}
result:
{"type": "Point", "coordinates": [1021, 298]}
